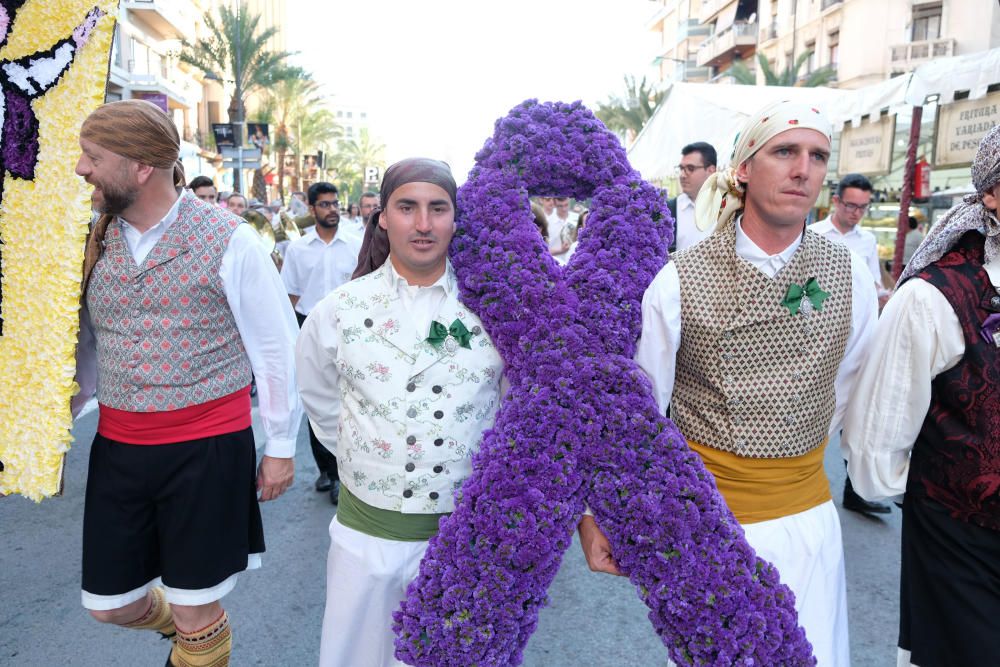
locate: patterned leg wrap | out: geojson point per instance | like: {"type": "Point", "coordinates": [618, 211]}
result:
{"type": "Point", "coordinates": [158, 617]}
{"type": "Point", "coordinates": [208, 647]}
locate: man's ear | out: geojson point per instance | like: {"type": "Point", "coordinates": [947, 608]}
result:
{"type": "Point", "coordinates": [143, 172]}
{"type": "Point", "coordinates": [711, 169]}
{"type": "Point", "coordinates": [743, 171]}
{"type": "Point", "coordinates": [380, 216]}
{"type": "Point", "coordinates": [991, 198]}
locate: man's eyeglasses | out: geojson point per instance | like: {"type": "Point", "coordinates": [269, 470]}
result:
{"type": "Point", "coordinates": [327, 204]}
{"type": "Point", "coordinates": [855, 208]}
{"type": "Point", "coordinates": [689, 168]}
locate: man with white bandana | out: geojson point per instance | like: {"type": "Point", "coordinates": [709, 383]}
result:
{"type": "Point", "coordinates": [182, 306]}
{"type": "Point", "coordinates": [924, 421]}
{"type": "Point", "coordinates": [753, 337]}
{"type": "Point", "coordinates": [417, 381]}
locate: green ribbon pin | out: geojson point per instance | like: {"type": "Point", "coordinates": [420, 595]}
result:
{"type": "Point", "coordinates": [811, 290]}
{"type": "Point", "coordinates": [439, 333]}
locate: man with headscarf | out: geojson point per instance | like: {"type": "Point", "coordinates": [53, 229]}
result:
{"type": "Point", "coordinates": [417, 381]}
{"type": "Point", "coordinates": [753, 337]}
{"type": "Point", "coordinates": [181, 305]}
{"type": "Point", "coordinates": [924, 421]}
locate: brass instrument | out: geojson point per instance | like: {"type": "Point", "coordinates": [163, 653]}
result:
{"type": "Point", "coordinates": [262, 226]}
{"type": "Point", "coordinates": [292, 231]}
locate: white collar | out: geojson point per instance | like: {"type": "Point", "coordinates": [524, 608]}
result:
{"type": "Point", "coordinates": [167, 220]}
{"type": "Point", "coordinates": [446, 282]}
{"type": "Point", "coordinates": [312, 235]}
{"type": "Point", "coordinates": [826, 225]}
{"type": "Point", "coordinates": [751, 252]}
{"type": "Point", "coordinates": [683, 201]}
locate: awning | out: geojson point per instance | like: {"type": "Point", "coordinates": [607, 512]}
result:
{"type": "Point", "coordinates": [726, 17]}
{"type": "Point", "coordinates": [974, 72]}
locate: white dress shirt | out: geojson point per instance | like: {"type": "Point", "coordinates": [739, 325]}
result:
{"type": "Point", "coordinates": [859, 240]}
{"type": "Point", "coordinates": [662, 328]}
{"type": "Point", "coordinates": [313, 268]}
{"type": "Point", "coordinates": [558, 231]}
{"type": "Point", "coordinates": [687, 231]}
{"type": "Point", "coordinates": [263, 317]}
{"type": "Point", "coordinates": [918, 337]}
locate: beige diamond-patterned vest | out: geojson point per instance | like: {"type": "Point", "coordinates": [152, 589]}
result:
{"type": "Point", "coordinates": [751, 378]}
{"type": "Point", "coordinates": [166, 337]}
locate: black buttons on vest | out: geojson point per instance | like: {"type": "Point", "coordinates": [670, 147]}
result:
{"type": "Point", "coordinates": [438, 414]}
{"type": "Point", "coordinates": [433, 495]}
{"type": "Point", "coordinates": [411, 439]}
{"type": "Point", "coordinates": [438, 468]}
{"type": "Point", "coordinates": [438, 442]}
{"type": "Point", "coordinates": [410, 467]}
{"type": "Point", "coordinates": [407, 493]}
{"type": "Point", "coordinates": [411, 387]}
{"type": "Point", "coordinates": [369, 323]}
{"type": "Point", "coordinates": [436, 389]}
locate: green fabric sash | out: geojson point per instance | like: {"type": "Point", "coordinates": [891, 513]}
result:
{"type": "Point", "coordinates": [386, 524]}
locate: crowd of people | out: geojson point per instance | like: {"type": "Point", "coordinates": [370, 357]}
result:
{"type": "Point", "coordinates": [761, 338]}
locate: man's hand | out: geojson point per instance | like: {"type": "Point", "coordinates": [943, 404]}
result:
{"type": "Point", "coordinates": [274, 476]}
{"type": "Point", "coordinates": [596, 547]}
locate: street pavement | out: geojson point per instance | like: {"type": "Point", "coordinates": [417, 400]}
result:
{"type": "Point", "coordinates": [277, 611]}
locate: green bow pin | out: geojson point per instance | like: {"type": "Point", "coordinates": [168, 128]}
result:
{"type": "Point", "coordinates": [439, 335]}
{"type": "Point", "coordinates": [811, 290]}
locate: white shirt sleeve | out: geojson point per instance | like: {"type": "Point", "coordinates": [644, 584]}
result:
{"type": "Point", "coordinates": [86, 363]}
{"type": "Point", "coordinates": [864, 315]}
{"type": "Point", "coordinates": [289, 272]}
{"type": "Point", "coordinates": [660, 337]}
{"type": "Point", "coordinates": [872, 258]}
{"type": "Point", "coordinates": [268, 328]}
{"type": "Point", "coordinates": [917, 338]}
{"type": "Point", "coordinates": [316, 363]}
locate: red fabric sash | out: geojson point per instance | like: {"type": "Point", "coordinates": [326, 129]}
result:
{"type": "Point", "coordinates": [223, 415]}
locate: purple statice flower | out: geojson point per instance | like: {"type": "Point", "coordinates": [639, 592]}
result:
{"type": "Point", "coordinates": [580, 425]}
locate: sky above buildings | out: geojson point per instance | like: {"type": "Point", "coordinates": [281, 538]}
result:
{"type": "Point", "coordinates": [435, 75]}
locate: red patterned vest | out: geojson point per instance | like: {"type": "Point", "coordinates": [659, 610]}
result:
{"type": "Point", "coordinates": [956, 458]}
{"type": "Point", "coordinates": [166, 337]}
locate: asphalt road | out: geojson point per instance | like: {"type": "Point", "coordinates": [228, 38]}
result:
{"type": "Point", "coordinates": [277, 611]}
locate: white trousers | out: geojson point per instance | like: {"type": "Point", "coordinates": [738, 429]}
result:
{"type": "Point", "coordinates": [808, 551]}
{"type": "Point", "coordinates": [366, 579]}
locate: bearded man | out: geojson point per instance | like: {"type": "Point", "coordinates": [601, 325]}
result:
{"type": "Point", "coordinates": [182, 306]}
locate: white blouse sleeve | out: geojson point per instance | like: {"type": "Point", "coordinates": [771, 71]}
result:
{"type": "Point", "coordinates": [268, 328]}
{"type": "Point", "coordinates": [660, 338]}
{"type": "Point", "coordinates": [864, 315]}
{"type": "Point", "coordinates": [316, 362]}
{"type": "Point", "coordinates": [917, 338]}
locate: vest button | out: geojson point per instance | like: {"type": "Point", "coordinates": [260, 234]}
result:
{"type": "Point", "coordinates": [789, 419]}
{"type": "Point", "coordinates": [433, 495]}
{"type": "Point", "coordinates": [740, 444]}
{"type": "Point", "coordinates": [436, 389]}
{"type": "Point", "coordinates": [369, 323]}
{"type": "Point", "coordinates": [411, 413]}
{"type": "Point", "coordinates": [438, 468]}
{"type": "Point", "coordinates": [410, 467]}
{"type": "Point", "coordinates": [476, 330]}
{"type": "Point", "coordinates": [411, 387]}
{"type": "Point", "coordinates": [438, 442]}
{"type": "Point", "coordinates": [726, 356]}
{"type": "Point", "coordinates": [411, 439]}
{"type": "Point", "coordinates": [407, 493]}
{"type": "Point", "coordinates": [995, 302]}
{"type": "Point", "coordinates": [727, 334]}
{"type": "Point", "coordinates": [438, 414]}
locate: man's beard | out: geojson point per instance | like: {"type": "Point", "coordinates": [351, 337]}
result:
{"type": "Point", "coordinates": [116, 200]}
{"type": "Point", "coordinates": [326, 224]}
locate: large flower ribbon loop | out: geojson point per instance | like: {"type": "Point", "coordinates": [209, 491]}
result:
{"type": "Point", "coordinates": [439, 333]}
{"type": "Point", "coordinates": [811, 290]}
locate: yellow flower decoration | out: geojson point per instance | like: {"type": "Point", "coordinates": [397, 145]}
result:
{"type": "Point", "coordinates": [43, 225]}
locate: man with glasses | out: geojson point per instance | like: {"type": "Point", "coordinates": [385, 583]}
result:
{"type": "Point", "coordinates": [698, 162]}
{"type": "Point", "coordinates": [316, 264]}
{"type": "Point", "coordinates": [850, 204]}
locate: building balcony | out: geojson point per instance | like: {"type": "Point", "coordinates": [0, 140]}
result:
{"type": "Point", "coordinates": [740, 38]}
{"type": "Point", "coordinates": [906, 57]}
{"type": "Point", "coordinates": [170, 19]}
{"type": "Point", "coordinates": [829, 3]}
{"type": "Point", "coordinates": [692, 28]}
{"type": "Point", "coordinates": [710, 9]}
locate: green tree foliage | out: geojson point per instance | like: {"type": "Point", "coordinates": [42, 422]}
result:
{"type": "Point", "coordinates": [743, 75]}
{"type": "Point", "coordinates": [352, 156]}
{"type": "Point", "coordinates": [626, 115]}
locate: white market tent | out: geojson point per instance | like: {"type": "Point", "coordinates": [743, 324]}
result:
{"type": "Point", "coordinates": [714, 112]}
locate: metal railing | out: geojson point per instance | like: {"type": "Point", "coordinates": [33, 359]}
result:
{"type": "Point", "coordinates": [903, 57]}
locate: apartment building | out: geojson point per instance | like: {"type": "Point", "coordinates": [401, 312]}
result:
{"type": "Point", "coordinates": [863, 41]}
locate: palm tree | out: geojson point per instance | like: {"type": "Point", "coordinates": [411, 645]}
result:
{"type": "Point", "coordinates": [236, 51]}
{"type": "Point", "coordinates": [289, 100]}
{"type": "Point", "coordinates": [627, 115]}
{"type": "Point", "coordinates": [353, 155]}
{"type": "Point", "coordinates": [788, 77]}
{"type": "Point", "coordinates": [316, 130]}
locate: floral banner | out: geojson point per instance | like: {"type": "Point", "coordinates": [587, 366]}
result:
{"type": "Point", "coordinates": [54, 62]}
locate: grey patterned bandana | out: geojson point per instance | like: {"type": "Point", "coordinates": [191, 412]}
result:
{"type": "Point", "coordinates": [970, 215]}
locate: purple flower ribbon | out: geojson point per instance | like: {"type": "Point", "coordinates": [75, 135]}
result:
{"type": "Point", "coordinates": [579, 424]}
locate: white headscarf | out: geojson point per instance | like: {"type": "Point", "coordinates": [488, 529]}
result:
{"type": "Point", "coordinates": [721, 197]}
